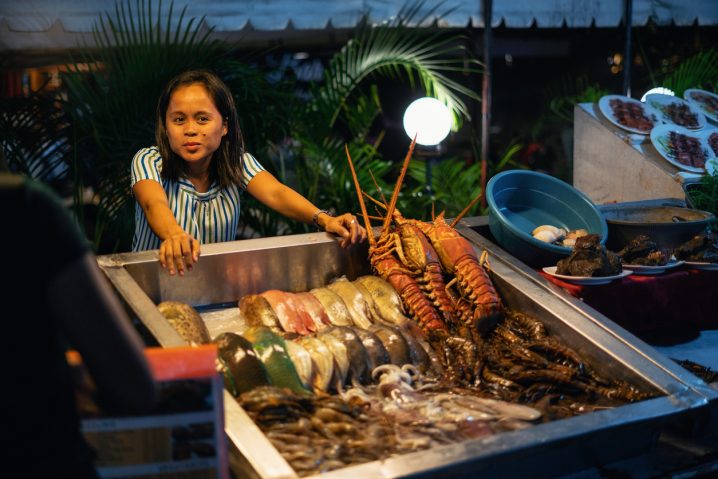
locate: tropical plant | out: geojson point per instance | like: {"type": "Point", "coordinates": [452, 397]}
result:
{"type": "Point", "coordinates": [703, 195]}
{"type": "Point", "coordinates": [344, 108]}
{"type": "Point", "coordinates": [567, 92]}
{"type": "Point", "coordinates": [34, 135]}
{"type": "Point", "coordinates": [455, 182]}
{"type": "Point", "coordinates": [698, 71]}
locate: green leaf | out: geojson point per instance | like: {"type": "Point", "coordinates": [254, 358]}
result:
{"type": "Point", "coordinates": [698, 71]}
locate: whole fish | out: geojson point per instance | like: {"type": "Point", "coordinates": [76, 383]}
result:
{"type": "Point", "coordinates": [358, 357]}
{"type": "Point", "coordinates": [375, 349]}
{"type": "Point", "coordinates": [417, 353]}
{"type": "Point", "coordinates": [354, 301]}
{"type": "Point", "coordinates": [334, 306]}
{"type": "Point", "coordinates": [256, 311]}
{"type": "Point", "coordinates": [340, 353]}
{"type": "Point", "coordinates": [238, 363]}
{"type": "Point", "coordinates": [272, 351]}
{"type": "Point", "coordinates": [394, 343]}
{"type": "Point", "coordinates": [292, 319]}
{"type": "Point", "coordinates": [302, 363]}
{"type": "Point", "coordinates": [186, 320]}
{"type": "Point", "coordinates": [374, 313]}
{"type": "Point", "coordinates": [322, 360]}
{"type": "Point", "coordinates": [307, 321]}
{"type": "Point", "coordinates": [315, 309]}
{"type": "Point", "coordinates": [387, 300]}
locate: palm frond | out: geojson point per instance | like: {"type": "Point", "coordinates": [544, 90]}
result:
{"type": "Point", "coordinates": [396, 50]}
{"type": "Point", "coordinates": [698, 71]}
{"type": "Point", "coordinates": [35, 136]}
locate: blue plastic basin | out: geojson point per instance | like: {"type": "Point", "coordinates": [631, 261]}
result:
{"type": "Point", "coordinates": [521, 200]}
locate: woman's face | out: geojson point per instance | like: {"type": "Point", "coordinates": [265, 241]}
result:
{"type": "Point", "coordinates": [194, 125]}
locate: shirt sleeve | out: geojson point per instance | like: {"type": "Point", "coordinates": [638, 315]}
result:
{"type": "Point", "coordinates": [250, 168]}
{"type": "Point", "coordinates": [146, 165]}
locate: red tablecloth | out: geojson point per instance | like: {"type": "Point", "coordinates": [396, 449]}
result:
{"type": "Point", "coordinates": [683, 299]}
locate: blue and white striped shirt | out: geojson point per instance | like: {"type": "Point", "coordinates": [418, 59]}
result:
{"type": "Point", "coordinates": [210, 217]}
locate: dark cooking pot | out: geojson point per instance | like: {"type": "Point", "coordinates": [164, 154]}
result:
{"type": "Point", "coordinates": [668, 226]}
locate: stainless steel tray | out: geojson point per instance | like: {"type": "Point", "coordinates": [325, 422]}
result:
{"type": "Point", "coordinates": [227, 271]}
{"type": "Point", "coordinates": [476, 230]}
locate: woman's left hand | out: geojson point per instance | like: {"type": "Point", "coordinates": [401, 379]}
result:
{"type": "Point", "coordinates": [346, 226]}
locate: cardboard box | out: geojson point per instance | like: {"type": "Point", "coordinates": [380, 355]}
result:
{"type": "Point", "coordinates": [182, 438]}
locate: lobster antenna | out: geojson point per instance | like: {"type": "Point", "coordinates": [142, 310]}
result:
{"type": "Point", "coordinates": [377, 204]}
{"type": "Point", "coordinates": [395, 195]}
{"type": "Point", "coordinates": [367, 223]}
{"type": "Point", "coordinates": [466, 210]}
{"type": "Point", "coordinates": [374, 200]}
{"type": "Point", "coordinates": [378, 188]}
{"type": "Point", "coordinates": [433, 216]}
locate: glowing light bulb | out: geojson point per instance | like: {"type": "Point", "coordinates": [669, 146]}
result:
{"type": "Point", "coordinates": [428, 119]}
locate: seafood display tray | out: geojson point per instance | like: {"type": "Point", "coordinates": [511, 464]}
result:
{"type": "Point", "coordinates": [230, 270]}
{"type": "Point", "coordinates": [477, 230]}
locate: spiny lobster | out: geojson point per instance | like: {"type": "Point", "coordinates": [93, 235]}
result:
{"type": "Point", "coordinates": [458, 258]}
{"type": "Point", "coordinates": [387, 266]}
{"type": "Point", "coordinates": [407, 260]}
{"type": "Point", "coordinates": [415, 252]}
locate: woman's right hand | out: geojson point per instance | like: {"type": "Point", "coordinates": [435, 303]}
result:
{"type": "Point", "coordinates": [177, 251]}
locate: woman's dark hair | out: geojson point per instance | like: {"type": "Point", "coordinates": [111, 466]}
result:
{"type": "Point", "coordinates": [226, 165]}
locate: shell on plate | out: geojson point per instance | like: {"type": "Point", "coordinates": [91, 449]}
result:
{"type": "Point", "coordinates": [548, 233]}
{"type": "Point", "coordinates": [553, 229]}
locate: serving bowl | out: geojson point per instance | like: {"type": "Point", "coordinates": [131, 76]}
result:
{"type": "Point", "coordinates": [669, 226]}
{"type": "Point", "coordinates": [521, 200]}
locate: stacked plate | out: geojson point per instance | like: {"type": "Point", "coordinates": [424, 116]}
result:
{"type": "Point", "coordinates": [680, 128]}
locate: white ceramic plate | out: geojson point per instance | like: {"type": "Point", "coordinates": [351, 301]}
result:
{"type": "Point", "coordinates": [660, 137]}
{"type": "Point", "coordinates": [592, 280]}
{"type": "Point", "coordinates": [662, 105]}
{"type": "Point", "coordinates": [604, 105]}
{"type": "Point", "coordinates": [697, 265]}
{"type": "Point", "coordinates": [650, 270]}
{"type": "Point", "coordinates": [706, 134]}
{"type": "Point", "coordinates": [705, 104]}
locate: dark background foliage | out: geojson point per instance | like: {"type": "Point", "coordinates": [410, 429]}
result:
{"type": "Point", "coordinates": [300, 105]}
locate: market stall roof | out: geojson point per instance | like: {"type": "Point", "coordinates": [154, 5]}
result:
{"type": "Point", "coordinates": [53, 24]}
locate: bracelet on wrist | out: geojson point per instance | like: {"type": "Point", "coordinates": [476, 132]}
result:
{"type": "Point", "coordinates": [315, 217]}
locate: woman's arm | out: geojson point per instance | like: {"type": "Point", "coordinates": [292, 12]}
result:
{"type": "Point", "coordinates": [93, 320]}
{"type": "Point", "coordinates": [282, 199]}
{"type": "Point", "coordinates": [178, 247]}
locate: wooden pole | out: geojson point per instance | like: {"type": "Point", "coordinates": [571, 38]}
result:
{"type": "Point", "coordinates": [628, 20]}
{"type": "Point", "coordinates": [486, 6]}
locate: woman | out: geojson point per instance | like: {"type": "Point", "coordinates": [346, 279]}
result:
{"type": "Point", "coordinates": [187, 187]}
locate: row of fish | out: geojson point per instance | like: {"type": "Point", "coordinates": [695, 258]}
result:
{"type": "Point", "coordinates": [315, 341]}
{"type": "Point", "coordinates": [363, 302]}
{"type": "Point", "coordinates": [326, 361]}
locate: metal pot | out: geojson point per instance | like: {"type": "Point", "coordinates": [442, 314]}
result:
{"type": "Point", "coordinates": [669, 226]}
